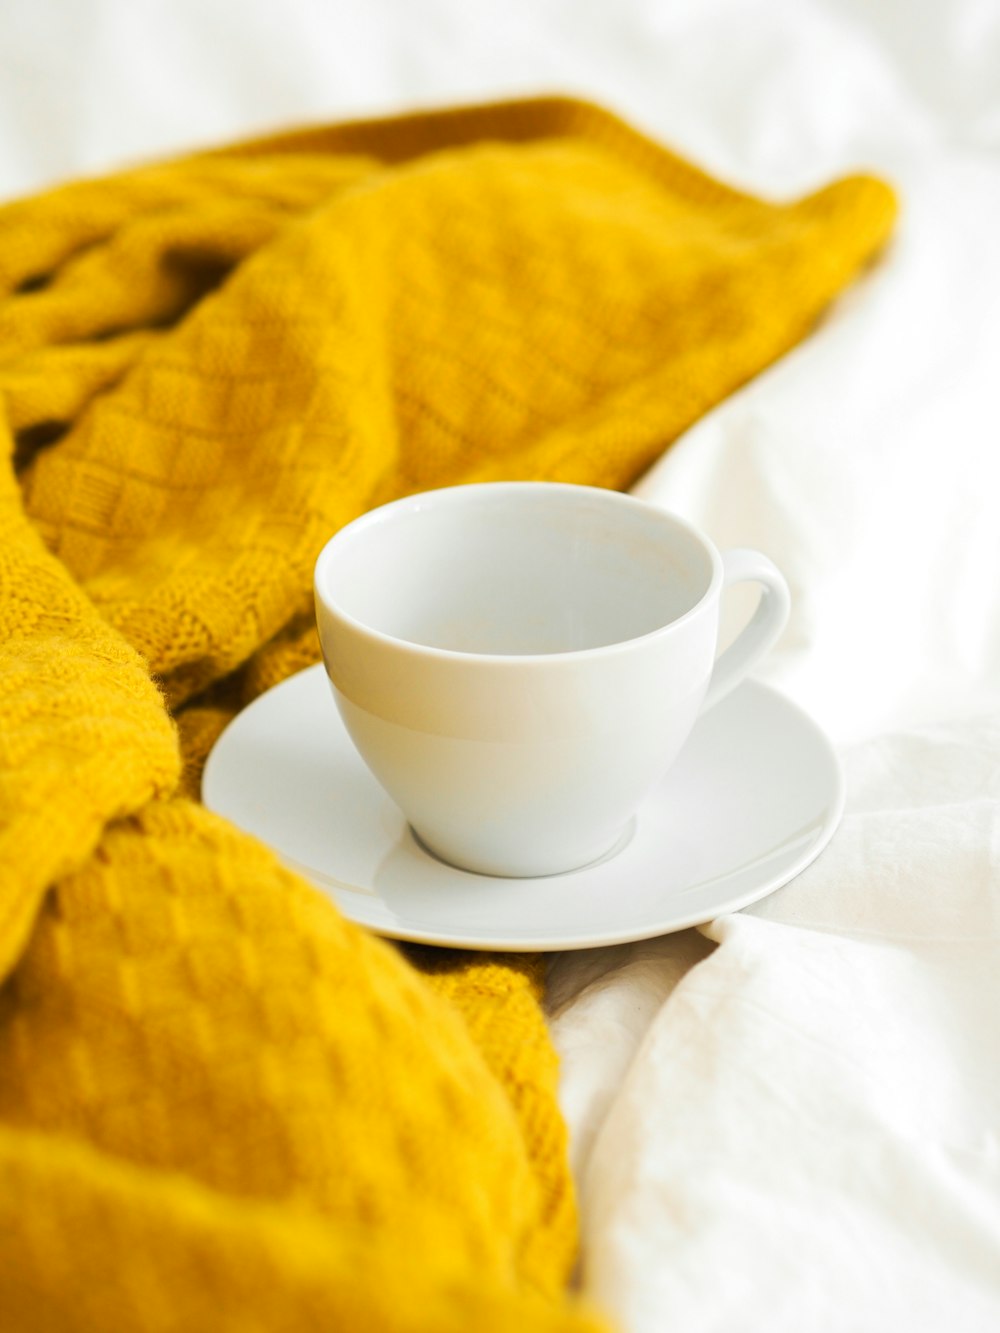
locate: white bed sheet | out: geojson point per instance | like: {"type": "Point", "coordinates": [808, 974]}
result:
{"type": "Point", "coordinates": [790, 1119]}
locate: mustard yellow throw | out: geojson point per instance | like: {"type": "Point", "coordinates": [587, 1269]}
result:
{"type": "Point", "coordinates": [222, 1107]}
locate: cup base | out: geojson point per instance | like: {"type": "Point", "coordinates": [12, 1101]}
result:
{"type": "Point", "coordinates": [618, 845]}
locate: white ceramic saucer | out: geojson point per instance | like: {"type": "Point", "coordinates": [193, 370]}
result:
{"type": "Point", "coordinates": [754, 797]}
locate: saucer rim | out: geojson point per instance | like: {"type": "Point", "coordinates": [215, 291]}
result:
{"type": "Point", "coordinates": [330, 885]}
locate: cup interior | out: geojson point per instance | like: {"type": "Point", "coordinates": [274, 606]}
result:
{"type": "Point", "coordinates": [516, 569]}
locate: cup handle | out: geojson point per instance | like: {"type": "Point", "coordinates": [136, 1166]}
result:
{"type": "Point", "coordinates": [766, 623]}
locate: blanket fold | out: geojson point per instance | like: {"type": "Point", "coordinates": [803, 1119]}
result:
{"type": "Point", "coordinates": [221, 1105]}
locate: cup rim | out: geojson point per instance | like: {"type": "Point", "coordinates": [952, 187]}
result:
{"type": "Point", "coordinates": [454, 495]}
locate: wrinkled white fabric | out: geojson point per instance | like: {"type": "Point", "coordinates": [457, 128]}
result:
{"type": "Point", "coordinates": [791, 1118]}
{"type": "Point", "coordinates": [808, 1133]}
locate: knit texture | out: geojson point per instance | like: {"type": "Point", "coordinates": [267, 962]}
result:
{"type": "Point", "coordinates": [222, 1106]}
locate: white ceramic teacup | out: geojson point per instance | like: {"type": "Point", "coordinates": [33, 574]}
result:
{"type": "Point", "coordinates": [518, 663]}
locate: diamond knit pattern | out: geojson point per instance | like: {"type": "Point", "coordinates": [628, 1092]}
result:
{"type": "Point", "coordinates": [222, 1106]}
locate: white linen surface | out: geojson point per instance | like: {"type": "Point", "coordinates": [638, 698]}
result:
{"type": "Point", "coordinates": [790, 1119]}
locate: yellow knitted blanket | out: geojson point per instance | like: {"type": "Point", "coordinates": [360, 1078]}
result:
{"type": "Point", "coordinates": [221, 1106]}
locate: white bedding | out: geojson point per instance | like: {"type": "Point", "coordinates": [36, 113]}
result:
{"type": "Point", "coordinates": [791, 1119]}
